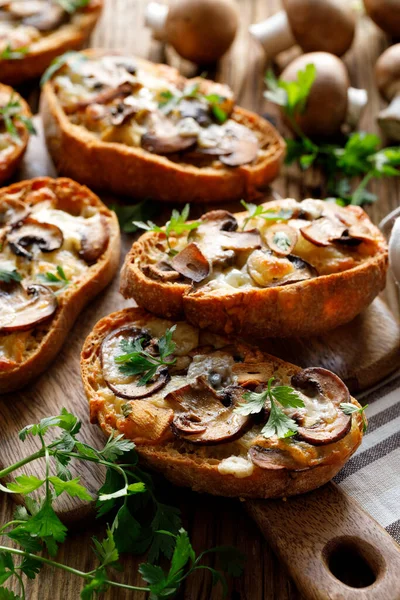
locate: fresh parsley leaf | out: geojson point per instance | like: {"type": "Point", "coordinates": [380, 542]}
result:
{"type": "Point", "coordinates": [254, 404]}
{"type": "Point", "coordinates": [8, 276]}
{"type": "Point", "coordinates": [25, 484]}
{"type": "Point", "coordinates": [279, 424]}
{"type": "Point", "coordinates": [45, 526]}
{"type": "Point", "coordinates": [167, 518]}
{"type": "Point", "coordinates": [127, 531]}
{"type": "Point", "coordinates": [10, 53]}
{"type": "Point", "coordinates": [70, 58]}
{"type": "Point", "coordinates": [115, 447]}
{"type": "Point", "coordinates": [286, 396]}
{"type": "Point", "coordinates": [30, 567]}
{"type": "Point", "coordinates": [11, 112]}
{"type": "Point", "coordinates": [59, 279]}
{"type": "Point", "coordinates": [128, 214]}
{"type": "Point", "coordinates": [6, 594]}
{"type": "Point", "coordinates": [96, 586]}
{"type": "Point", "coordinates": [291, 95]}
{"type": "Point", "coordinates": [71, 6]}
{"type": "Point", "coordinates": [350, 409]}
{"type": "Point", "coordinates": [6, 567]}
{"type": "Point", "coordinates": [137, 361]}
{"type": "Point", "coordinates": [72, 487]}
{"type": "Point", "coordinates": [268, 214]}
{"type": "Point", "coordinates": [106, 551]}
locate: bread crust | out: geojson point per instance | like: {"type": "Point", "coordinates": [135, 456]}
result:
{"type": "Point", "coordinates": [306, 308]}
{"type": "Point", "coordinates": [196, 470]}
{"type": "Point", "coordinates": [12, 160]}
{"type": "Point", "coordinates": [97, 277]}
{"type": "Point", "coordinates": [133, 171]}
{"type": "Point", "coordinates": [70, 36]}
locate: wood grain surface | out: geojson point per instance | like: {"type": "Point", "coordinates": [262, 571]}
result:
{"type": "Point", "coordinates": [209, 520]}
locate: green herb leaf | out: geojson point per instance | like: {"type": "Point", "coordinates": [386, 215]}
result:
{"type": "Point", "coordinates": [71, 6]}
{"type": "Point", "coordinates": [6, 594]}
{"type": "Point", "coordinates": [254, 404]}
{"type": "Point", "coordinates": [291, 95]}
{"type": "Point", "coordinates": [8, 276]}
{"type": "Point", "coordinates": [25, 484]}
{"type": "Point", "coordinates": [59, 279]}
{"type": "Point", "coordinates": [30, 567]}
{"type": "Point", "coordinates": [128, 214]}
{"type": "Point", "coordinates": [279, 424]}
{"type": "Point", "coordinates": [115, 447]}
{"type": "Point", "coordinates": [268, 214]}
{"type": "Point", "coordinates": [349, 409]}
{"type": "Point", "coordinates": [72, 487]}
{"type": "Point", "coordinates": [70, 58]}
{"type": "Point", "coordinates": [46, 526]}
{"type": "Point", "coordinates": [10, 53]}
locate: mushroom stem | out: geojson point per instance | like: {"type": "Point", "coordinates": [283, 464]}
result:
{"type": "Point", "coordinates": [274, 34]}
{"type": "Point", "coordinates": [155, 17]}
{"type": "Point", "coordinates": [389, 119]}
{"type": "Point", "coordinates": [357, 100]}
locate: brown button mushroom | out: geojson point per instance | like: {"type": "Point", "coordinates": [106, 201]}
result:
{"type": "Point", "coordinates": [45, 236]}
{"type": "Point", "coordinates": [163, 138]}
{"type": "Point", "coordinates": [332, 103]}
{"type": "Point", "coordinates": [208, 236]}
{"type": "Point", "coordinates": [199, 30]}
{"type": "Point", "coordinates": [94, 240]}
{"type": "Point", "coordinates": [387, 74]}
{"type": "Point", "coordinates": [122, 385]}
{"type": "Point", "coordinates": [224, 219]}
{"type": "Point", "coordinates": [203, 417]}
{"type": "Point", "coordinates": [191, 263]}
{"type": "Point", "coordinates": [162, 270]}
{"type": "Point", "coordinates": [326, 25]}
{"type": "Point", "coordinates": [386, 14]}
{"type": "Point", "coordinates": [22, 308]}
{"type": "Point", "coordinates": [272, 458]}
{"type": "Point", "coordinates": [322, 231]}
{"type": "Point", "coordinates": [321, 387]}
{"type": "Point", "coordinates": [241, 240]}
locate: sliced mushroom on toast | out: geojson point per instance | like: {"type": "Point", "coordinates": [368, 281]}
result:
{"type": "Point", "coordinates": [30, 233]}
{"type": "Point", "coordinates": [202, 416]}
{"type": "Point", "coordinates": [94, 239]}
{"type": "Point", "coordinates": [323, 421]}
{"type": "Point", "coordinates": [191, 263]}
{"type": "Point", "coordinates": [129, 386]}
{"type": "Point", "coordinates": [22, 308]}
{"type": "Point", "coordinates": [272, 459]}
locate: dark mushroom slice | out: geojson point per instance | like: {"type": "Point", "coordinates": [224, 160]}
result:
{"type": "Point", "coordinates": [122, 112]}
{"type": "Point", "coordinates": [322, 231]}
{"type": "Point", "coordinates": [163, 142]}
{"type": "Point", "coordinates": [22, 308]}
{"type": "Point", "coordinates": [322, 386]}
{"type": "Point", "coordinates": [45, 236]}
{"type": "Point", "coordinates": [122, 385]}
{"type": "Point", "coordinates": [208, 236]}
{"type": "Point", "coordinates": [105, 96]}
{"type": "Point", "coordinates": [303, 271]}
{"type": "Point", "coordinates": [13, 212]}
{"type": "Point", "coordinates": [191, 263]}
{"type": "Point", "coordinates": [281, 238]}
{"type": "Point", "coordinates": [250, 375]}
{"type": "Point", "coordinates": [225, 220]}
{"type": "Point", "coordinates": [94, 240]}
{"type": "Point", "coordinates": [272, 459]}
{"type": "Point", "coordinates": [162, 270]}
{"type": "Point", "coordinates": [245, 152]}
{"type": "Point", "coordinates": [203, 417]}
{"type": "Point", "coordinates": [51, 17]}
{"type": "Point", "coordinates": [195, 109]}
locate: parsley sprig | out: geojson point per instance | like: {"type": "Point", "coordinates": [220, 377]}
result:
{"type": "Point", "coordinates": [176, 225]}
{"type": "Point", "coordinates": [358, 156]}
{"type": "Point", "coordinates": [12, 112]}
{"type": "Point", "coordinates": [70, 58]}
{"type": "Point", "coordinates": [349, 409]}
{"type": "Point", "coordinates": [10, 53]}
{"type": "Point", "coordinates": [136, 360]}
{"type": "Point", "coordinates": [278, 423]}
{"type": "Point", "coordinates": [59, 279]}
{"type": "Point", "coordinates": [138, 520]}
{"type": "Point", "coordinates": [9, 276]}
{"type": "Point", "coordinates": [169, 101]}
{"type": "Point", "coordinates": [268, 214]}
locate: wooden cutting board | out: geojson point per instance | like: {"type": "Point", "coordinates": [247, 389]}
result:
{"type": "Point", "coordinates": [362, 353]}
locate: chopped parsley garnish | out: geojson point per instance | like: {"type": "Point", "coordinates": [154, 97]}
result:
{"type": "Point", "coordinates": [358, 156]}
{"type": "Point", "coordinates": [278, 423]}
{"type": "Point", "coordinates": [177, 224]}
{"type": "Point", "coordinates": [268, 214]}
{"type": "Point", "coordinates": [137, 361]}
{"type": "Point", "coordinates": [128, 214]}
{"type": "Point", "coordinates": [12, 112]}
{"type": "Point", "coordinates": [60, 278]}
{"type": "Point", "coordinates": [70, 58]}
{"type": "Point", "coordinates": [9, 276]}
{"type": "Point", "coordinates": [70, 6]}
{"type": "Point", "coordinates": [13, 54]}
{"type": "Point", "coordinates": [169, 101]}
{"type": "Point", "coordinates": [350, 409]}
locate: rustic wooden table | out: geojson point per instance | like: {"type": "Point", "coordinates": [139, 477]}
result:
{"type": "Point", "coordinates": [214, 521]}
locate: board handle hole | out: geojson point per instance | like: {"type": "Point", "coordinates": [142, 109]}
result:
{"type": "Point", "coordinates": [353, 561]}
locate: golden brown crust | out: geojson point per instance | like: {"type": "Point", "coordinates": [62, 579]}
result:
{"type": "Point", "coordinates": [133, 171]}
{"type": "Point", "coordinates": [12, 160]}
{"type": "Point", "coordinates": [188, 468]}
{"type": "Point", "coordinates": [71, 36]}
{"type": "Point", "coordinates": [14, 376]}
{"type": "Point", "coordinates": [306, 308]}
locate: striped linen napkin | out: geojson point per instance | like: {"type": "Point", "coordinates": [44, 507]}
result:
{"type": "Point", "coordinates": [372, 475]}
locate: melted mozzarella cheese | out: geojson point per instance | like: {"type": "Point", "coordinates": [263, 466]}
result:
{"type": "Point", "coordinates": [238, 466]}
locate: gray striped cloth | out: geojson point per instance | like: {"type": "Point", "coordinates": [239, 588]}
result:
{"type": "Point", "coordinates": [372, 475]}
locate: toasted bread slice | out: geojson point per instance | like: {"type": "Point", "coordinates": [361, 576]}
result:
{"type": "Point", "coordinates": [188, 421]}
{"type": "Point", "coordinates": [120, 134]}
{"type": "Point", "coordinates": [14, 139]}
{"type": "Point", "coordinates": [298, 269]}
{"type": "Point", "coordinates": [60, 247]}
{"type": "Point", "coordinates": [37, 36]}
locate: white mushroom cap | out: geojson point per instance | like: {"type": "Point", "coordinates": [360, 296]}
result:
{"type": "Point", "coordinates": [386, 14]}
{"type": "Point", "coordinates": [387, 74]}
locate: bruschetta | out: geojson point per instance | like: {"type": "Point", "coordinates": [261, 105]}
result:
{"type": "Point", "coordinates": [281, 269]}
{"type": "Point", "coordinates": [59, 248]}
{"type": "Point", "coordinates": [15, 127]}
{"type": "Point", "coordinates": [34, 33]}
{"type": "Point", "coordinates": [135, 128]}
{"type": "Point", "coordinates": [215, 414]}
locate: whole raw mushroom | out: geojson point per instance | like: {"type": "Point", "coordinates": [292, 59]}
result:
{"type": "Point", "coordinates": [326, 25]}
{"type": "Point", "coordinates": [332, 102]}
{"type": "Point", "coordinates": [199, 30]}
{"type": "Point", "coordinates": [386, 14]}
{"type": "Point", "coordinates": [387, 74]}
